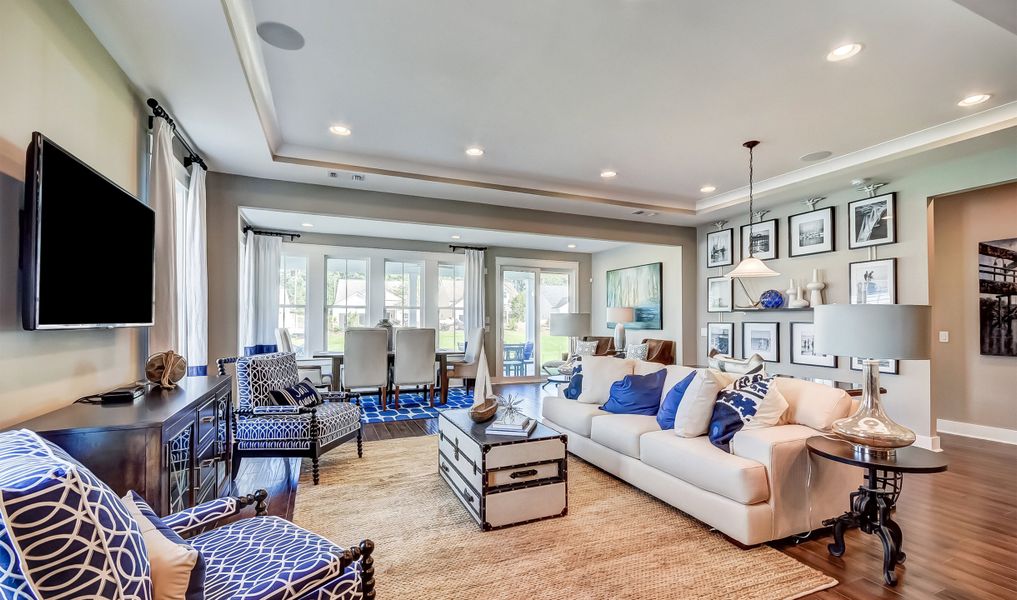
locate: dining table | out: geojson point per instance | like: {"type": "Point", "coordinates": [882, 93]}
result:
{"type": "Point", "coordinates": [440, 357]}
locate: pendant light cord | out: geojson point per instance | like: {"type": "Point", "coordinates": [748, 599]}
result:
{"type": "Point", "coordinates": [750, 145]}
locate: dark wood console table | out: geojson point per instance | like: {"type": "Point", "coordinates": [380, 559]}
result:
{"type": "Point", "coordinates": [171, 446]}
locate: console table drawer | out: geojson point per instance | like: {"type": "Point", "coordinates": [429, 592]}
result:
{"type": "Point", "coordinates": [517, 475]}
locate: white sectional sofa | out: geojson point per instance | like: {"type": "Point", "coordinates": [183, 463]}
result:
{"type": "Point", "coordinates": [766, 488]}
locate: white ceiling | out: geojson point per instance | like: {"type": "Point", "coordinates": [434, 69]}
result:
{"type": "Point", "coordinates": [662, 91]}
{"type": "Point", "coordinates": [279, 220]}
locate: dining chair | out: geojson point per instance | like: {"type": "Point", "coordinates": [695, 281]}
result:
{"type": "Point", "coordinates": [465, 368]}
{"type": "Point", "coordinates": [284, 343]}
{"type": "Point", "coordinates": [365, 361]}
{"type": "Point", "coordinates": [414, 361]}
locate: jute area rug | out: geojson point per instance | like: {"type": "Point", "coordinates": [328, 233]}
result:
{"type": "Point", "coordinates": [615, 542]}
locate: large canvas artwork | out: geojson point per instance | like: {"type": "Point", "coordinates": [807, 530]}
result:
{"type": "Point", "coordinates": [997, 297]}
{"type": "Point", "coordinates": [640, 288]}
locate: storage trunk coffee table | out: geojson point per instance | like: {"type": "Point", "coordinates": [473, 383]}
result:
{"type": "Point", "coordinates": [503, 480]}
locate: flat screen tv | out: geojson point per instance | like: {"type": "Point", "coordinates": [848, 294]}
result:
{"type": "Point", "coordinates": [87, 246]}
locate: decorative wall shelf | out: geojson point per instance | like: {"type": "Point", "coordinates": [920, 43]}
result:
{"type": "Point", "coordinates": [772, 310]}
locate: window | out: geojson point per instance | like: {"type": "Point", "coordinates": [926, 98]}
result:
{"type": "Point", "coordinates": [293, 300]}
{"type": "Point", "coordinates": [451, 325]}
{"type": "Point", "coordinates": [345, 299]}
{"type": "Point", "coordinates": [404, 291]}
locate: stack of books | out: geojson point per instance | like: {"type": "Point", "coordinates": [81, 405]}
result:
{"type": "Point", "coordinates": [517, 425]}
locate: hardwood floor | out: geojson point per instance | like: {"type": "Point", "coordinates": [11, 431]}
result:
{"type": "Point", "coordinates": [960, 527]}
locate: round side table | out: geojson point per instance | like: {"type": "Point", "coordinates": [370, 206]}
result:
{"type": "Point", "coordinates": [873, 504]}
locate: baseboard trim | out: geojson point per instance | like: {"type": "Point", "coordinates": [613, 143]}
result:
{"type": "Point", "coordinates": [982, 432]}
{"type": "Point", "coordinates": [929, 442]}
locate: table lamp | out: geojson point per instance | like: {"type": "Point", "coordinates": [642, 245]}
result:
{"type": "Point", "coordinates": [872, 332]}
{"type": "Point", "coordinates": [571, 325]}
{"type": "Point", "coordinates": [619, 315]}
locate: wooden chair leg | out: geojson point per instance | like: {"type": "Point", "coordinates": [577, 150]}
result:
{"type": "Point", "coordinates": [430, 394]}
{"type": "Point", "coordinates": [397, 397]}
{"type": "Point", "coordinates": [383, 397]}
{"type": "Point", "coordinates": [360, 441]}
{"type": "Point", "coordinates": [314, 470]}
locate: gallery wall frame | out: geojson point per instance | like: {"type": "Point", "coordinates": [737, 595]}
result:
{"type": "Point", "coordinates": [761, 235]}
{"type": "Point", "coordinates": [872, 221]}
{"type": "Point", "coordinates": [762, 338]}
{"type": "Point", "coordinates": [720, 248]}
{"type": "Point", "coordinates": [812, 232]}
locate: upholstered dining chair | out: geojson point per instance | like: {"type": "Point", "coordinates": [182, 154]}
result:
{"type": "Point", "coordinates": [605, 344]}
{"type": "Point", "coordinates": [660, 351]}
{"type": "Point", "coordinates": [309, 368]}
{"type": "Point", "coordinates": [365, 361]}
{"type": "Point", "coordinates": [309, 429]}
{"type": "Point", "coordinates": [465, 368]}
{"type": "Point", "coordinates": [414, 361]}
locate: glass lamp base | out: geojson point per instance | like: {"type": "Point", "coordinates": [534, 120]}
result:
{"type": "Point", "coordinates": [871, 431]}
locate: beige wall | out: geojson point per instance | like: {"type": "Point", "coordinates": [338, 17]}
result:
{"type": "Point", "coordinates": [56, 78]}
{"type": "Point", "coordinates": [909, 398]}
{"type": "Point", "coordinates": [967, 386]}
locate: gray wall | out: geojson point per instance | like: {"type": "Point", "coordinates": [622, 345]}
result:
{"type": "Point", "coordinates": [909, 398]}
{"type": "Point", "coordinates": [227, 193]}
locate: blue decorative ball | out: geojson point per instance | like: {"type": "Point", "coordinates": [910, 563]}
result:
{"type": "Point", "coordinates": [771, 299]}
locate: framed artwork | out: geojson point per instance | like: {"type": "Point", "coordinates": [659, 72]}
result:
{"type": "Point", "coordinates": [811, 232]}
{"type": "Point", "coordinates": [887, 366]}
{"type": "Point", "coordinates": [761, 238]}
{"type": "Point", "coordinates": [720, 337]}
{"type": "Point", "coordinates": [997, 297]}
{"type": "Point", "coordinates": [762, 339]}
{"type": "Point", "coordinates": [873, 281]}
{"type": "Point", "coordinates": [720, 248]}
{"type": "Point", "coordinates": [872, 221]}
{"type": "Point", "coordinates": [719, 294]}
{"type": "Point", "coordinates": [639, 287]}
{"type": "Point", "coordinates": [803, 347]}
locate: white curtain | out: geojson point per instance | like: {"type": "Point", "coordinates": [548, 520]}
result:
{"type": "Point", "coordinates": [474, 290]}
{"type": "Point", "coordinates": [161, 197]}
{"type": "Point", "coordinates": [259, 293]}
{"type": "Point", "coordinates": [194, 278]}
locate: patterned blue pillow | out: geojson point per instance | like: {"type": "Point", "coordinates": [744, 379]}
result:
{"type": "Point", "coordinates": [669, 407]}
{"type": "Point", "coordinates": [301, 394]}
{"type": "Point", "coordinates": [737, 406]}
{"type": "Point", "coordinates": [575, 386]}
{"type": "Point", "coordinates": [636, 394]}
{"type": "Point", "coordinates": [196, 584]}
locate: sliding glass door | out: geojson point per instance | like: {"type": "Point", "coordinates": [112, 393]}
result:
{"type": "Point", "coordinates": [529, 295]}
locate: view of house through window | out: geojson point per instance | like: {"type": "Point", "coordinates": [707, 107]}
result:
{"type": "Point", "coordinates": [345, 299]}
{"type": "Point", "coordinates": [404, 291]}
{"type": "Point", "coordinates": [451, 325]}
{"type": "Point", "coordinates": [293, 300]}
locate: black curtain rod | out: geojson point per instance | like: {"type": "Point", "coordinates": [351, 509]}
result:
{"type": "Point", "coordinates": [454, 247]}
{"type": "Point", "coordinates": [192, 156]}
{"type": "Point", "coordinates": [292, 236]}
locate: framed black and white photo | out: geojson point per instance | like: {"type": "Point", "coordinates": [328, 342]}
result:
{"type": "Point", "coordinates": [720, 337]}
{"type": "Point", "coordinates": [803, 347]}
{"type": "Point", "coordinates": [762, 339]}
{"type": "Point", "coordinates": [873, 281]}
{"type": "Point", "coordinates": [810, 232]}
{"type": "Point", "coordinates": [885, 366]}
{"type": "Point", "coordinates": [761, 239]}
{"type": "Point", "coordinates": [872, 221]}
{"type": "Point", "coordinates": [719, 294]}
{"type": "Point", "coordinates": [720, 248]}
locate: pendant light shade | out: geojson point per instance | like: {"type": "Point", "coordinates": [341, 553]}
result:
{"type": "Point", "coordinates": [751, 267]}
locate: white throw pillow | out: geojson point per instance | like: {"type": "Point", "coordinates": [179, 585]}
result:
{"type": "Point", "coordinates": [643, 367]}
{"type": "Point", "coordinates": [637, 351]}
{"type": "Point", "coordinates": [693, 416]}
{"type": "Point", "coordinates": [771, 411]}
{"type": "Point", "coordinates": [171, 562]}
{"type": "Point", "coordinates": [599, 374]}
{"type": "Point", "coordinates": [813, 404]}
{"type": "Point", "coordinates": [586, 348]}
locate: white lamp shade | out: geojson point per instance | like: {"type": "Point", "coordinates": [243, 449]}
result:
{"type": "Point", "coordinates": [879, 331]}
{"type": "Point", "coordinates": [570, 324]}
{"type": "Point", "coordinates": [620, 314]}
{"type": "Point", "coordinates": [751, 267]}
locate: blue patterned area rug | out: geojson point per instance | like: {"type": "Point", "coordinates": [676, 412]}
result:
{"type": "Point", "coordinates": [412, 405]}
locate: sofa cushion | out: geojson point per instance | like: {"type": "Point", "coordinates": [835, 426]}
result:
{"type": "Point", "coordinates": [672, 398]}
{"type": "Point", "coordinates": [636, 394]}
{"type": "Point", "coordinates": [599, 373]}
{"type": "Point", "coordinates": [621, 432]}
{"type": "Point", "coordinates": [692, 419]}
{"type": "Point", "coordinates": [813, 404]}
{"type": "Point", "coordinates": [751, 402]}
{"type": "Point", "coordinates": [178, 570]}
{"type": "Point", "coordinates": [700, 463]}
{"type": "Point", "coordinates": [570, 414]}
{"type": "Point", "coordinates": [643, 367]}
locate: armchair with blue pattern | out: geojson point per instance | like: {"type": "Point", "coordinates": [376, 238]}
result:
{"type": "Point", "coordinates": [65, 534]}
{"type": "Point", "coordinates": [263, 428]}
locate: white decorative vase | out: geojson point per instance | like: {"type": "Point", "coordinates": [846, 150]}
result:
{"type": "Point", "coordinates": [792, 293]}
{"type": "Point", "coordinates": [815, 288]}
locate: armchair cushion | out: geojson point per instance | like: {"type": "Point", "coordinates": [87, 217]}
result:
{"type": "Point", "coordinates": [178, 570]}
{"type": "Point", "coordinates": [268, 558]}
{"type": "Point", "coordinates": [300, 394]}
{"type": "Point", "coordinates": [293, 431]}
{"type": "Point", "coordinates": [203, 514]}
{"type": "Point", "coordinates": [261, 373]}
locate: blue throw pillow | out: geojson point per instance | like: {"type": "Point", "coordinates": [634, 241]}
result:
{"type": "Point", "coordinates": [636, 394]}
{"type": "Point", "coordinates": [196, 583]}
{"type": "Point", "coordinates": [669, 407]}
{"type": "Point", "coordinates": [737, 406]}
{"type": "Point", "coordinates": [575, 386]}
{"type": "Point", "coordinates": [301, 394]}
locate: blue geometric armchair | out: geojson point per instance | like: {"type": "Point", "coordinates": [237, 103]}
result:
{"type": "Point", "coordinates": [263, 428]}
{"type": "Point", "coordinates": [66, 534]}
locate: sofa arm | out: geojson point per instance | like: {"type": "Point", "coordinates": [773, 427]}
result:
{"type": "Point", "coordinates": [804, 490]}
{"type": "Point", "coordinates": [207, 513]}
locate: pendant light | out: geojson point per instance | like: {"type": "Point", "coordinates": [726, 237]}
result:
{"type": "Point", "coordinates": [750, 266]}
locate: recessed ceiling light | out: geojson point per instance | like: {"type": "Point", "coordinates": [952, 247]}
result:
{"type": "Point", "coordinates": [706, 189]}
{"type": "Point", "coordinates": [974, 99]}
{"type": "Point", "coordinates": [474, 151]}
{"type": "Point", "coordinates": [814, 156]}
{"type": "Point", "coordinates": [844, 52]}
{"type": "Point", "coordinates": [456, 236]}
{"type": "Point", "coordinates": [572, 245]}
{"type": "Point", "coordinates": [307, 224]}
{"type": "Point", "coordinates": [340, 130]}
{"type": "Point", "coordinates": [280, 35]}
{"type": "Point", "coordinates": [608, 174]}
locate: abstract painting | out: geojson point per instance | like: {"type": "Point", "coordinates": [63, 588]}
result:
{"type": "Point", "coordinates": [640, 288]}
{"type": "Point", "coordinates": [997, 297]}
